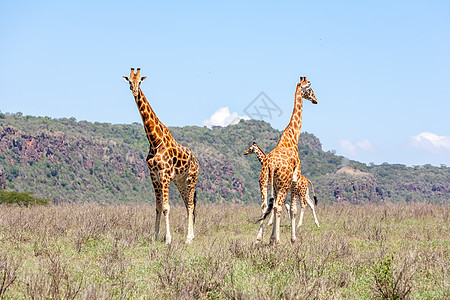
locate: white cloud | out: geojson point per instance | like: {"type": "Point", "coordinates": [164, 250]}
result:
{"type": "Point", "coordinates": [366, 145]}
{"type": "Point", "coordinates": [347, 147]}
{"type": "Point", "coordinates": [351, 149]}
{"type": "Point", "coordinates": [222, 117]}
{"type": "Point", "coordinates": [431, 142]}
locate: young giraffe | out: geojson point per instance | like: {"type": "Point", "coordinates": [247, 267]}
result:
{"type": "Point", "coordinates": [167, 161]}
{"type": "Point", "coordinates": [301, 189]}
{"type": "Point", "coordinates": [282, 166]}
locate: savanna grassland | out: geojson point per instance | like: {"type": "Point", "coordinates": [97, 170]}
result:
{"type": "Point", "coordinates": [107, 252]}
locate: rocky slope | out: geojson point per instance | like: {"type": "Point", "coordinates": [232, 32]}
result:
{"type": "Point", "coordinates": [65, 160]}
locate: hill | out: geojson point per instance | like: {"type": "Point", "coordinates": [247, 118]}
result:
{"type": "Point", "coordinates": [65, 160]}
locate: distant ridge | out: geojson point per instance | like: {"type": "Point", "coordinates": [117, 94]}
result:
{"type": "Point", "coordinates": [68, 161]}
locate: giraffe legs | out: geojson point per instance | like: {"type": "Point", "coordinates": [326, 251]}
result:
{"type": "Point", "coordinates": [271, 219]}
{"type": "Point", "coordinates": [263, 179]}
{"type": "Point", "coordinates": [286, 205]}
{"type": "Point", "coordinates": [158, 218]}
{"type": "Point", "coordinates": [292, 214]}
{"type": "Point", "coordinates": [186, 184]}
{"type": "Point", "coordinates": [159, 199]}
{"type": "Point", "coordinates": [187, 190]}
{"type": "Point", "coordinates": [302, 197]}
{"type": "Point", "coordinates": [311, 204]}
{"type": "Point", "coordinates": [278, 205]}
{"type": "Point", "coordinates": [295, 177]}
{"type": "Point", "coordinates": [161, 186]}
{"type": "Point", "coordinates": [165, 182]}
{"type": "Point", "coordinates": [192, 201]}
{"type": "Point", "coordinates": [259, 237]}
{"type": "Point", "coordinates": [305, 199]}
{"type": "Point", "coordinates": [302, 212]}
{"type": "Point", "coordinates": [272, 213]}
{"type": "Point", "coordinates": [190, 207]}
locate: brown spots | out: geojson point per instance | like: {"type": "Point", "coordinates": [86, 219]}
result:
{"type": "Point", "coordinates": [165, 156]}
{"type": "Point", "coordinates": [158, 131]}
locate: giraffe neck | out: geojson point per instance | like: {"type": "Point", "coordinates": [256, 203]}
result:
{"type": "Point", "coordinates": [154, 129]}
{"type": "Point", "coordinates": [260, 154]}
{"type": "Point", "coordinates": [291, 133]}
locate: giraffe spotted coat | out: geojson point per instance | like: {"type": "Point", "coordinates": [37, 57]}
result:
{"type": "Point", "coordinates": [167, 160]}
{"type": "Point", "coordinates": [301, 189]}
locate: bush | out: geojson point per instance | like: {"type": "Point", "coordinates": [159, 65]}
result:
{"type": "Point", "coordinates": [390, 284]}
{"type": "Point", "coordinates": [20, 198]}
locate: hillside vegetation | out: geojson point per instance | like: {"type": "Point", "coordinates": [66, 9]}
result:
{"type": "Point", "coordinates": [68, 161]}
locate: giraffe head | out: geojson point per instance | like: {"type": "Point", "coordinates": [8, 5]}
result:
{"type": "Point", "coordinates": [252, 149]}
{"type": "Point", "coordinates": [135, 81]}
{"type": "Point", "coordinates": [304, 86]}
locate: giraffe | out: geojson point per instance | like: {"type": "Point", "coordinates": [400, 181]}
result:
{"type": "Point", "coordinates": [167, 161]}
{"type": "Point", "coordinates": [282, 167]}
{"type": "Point", "coordinates": [301, 189]}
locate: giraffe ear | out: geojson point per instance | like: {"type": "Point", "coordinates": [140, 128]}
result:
{"type": "Point", "coordinates": [143, 78]}
{"type": "Point", "coordinates": [125, 78]}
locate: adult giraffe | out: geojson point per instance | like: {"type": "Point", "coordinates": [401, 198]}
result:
{"type": "Point", "coordinates": [167, 161]}
{"type": "Point", "coordinates": [280, 164]}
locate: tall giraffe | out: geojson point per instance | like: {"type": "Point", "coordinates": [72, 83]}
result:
{"type": "Point", "coordinates": [282, 166]}
{"type": "Point", "coordinates": [167, 161]}
{"type": "Point", "coordinates": [301, 189]}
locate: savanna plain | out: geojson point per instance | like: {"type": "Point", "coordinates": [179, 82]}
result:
{"type": "Point", "coordinates": [92, 251]}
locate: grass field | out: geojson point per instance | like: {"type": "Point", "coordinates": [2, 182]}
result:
{"type": "Point", "coordinates": [107, 252]}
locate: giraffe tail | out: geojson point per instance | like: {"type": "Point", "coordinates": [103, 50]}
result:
{"type": "Point", "coordinates": [271, 171]}
{"type": "Point", "coordinates": [268, 210]}
{"type": "Point", "coordinates": [195, 205]}
{"type": "Point", "coordinates": [315, 197]}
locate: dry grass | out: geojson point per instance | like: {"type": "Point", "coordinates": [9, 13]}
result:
{"type": "Point", "coordinates": [105, 252]}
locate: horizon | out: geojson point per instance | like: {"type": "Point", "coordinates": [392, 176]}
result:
{"type": "Point", "coordinates": [379, 70]}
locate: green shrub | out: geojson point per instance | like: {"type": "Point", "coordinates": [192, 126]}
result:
{"type": "Point", "coordinates": [20, 198]}
{"type": "Point", "coordinates": [391, 284]}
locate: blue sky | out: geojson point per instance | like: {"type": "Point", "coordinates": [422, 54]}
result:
{"type": "Point", "coordinates": [380, 69]}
